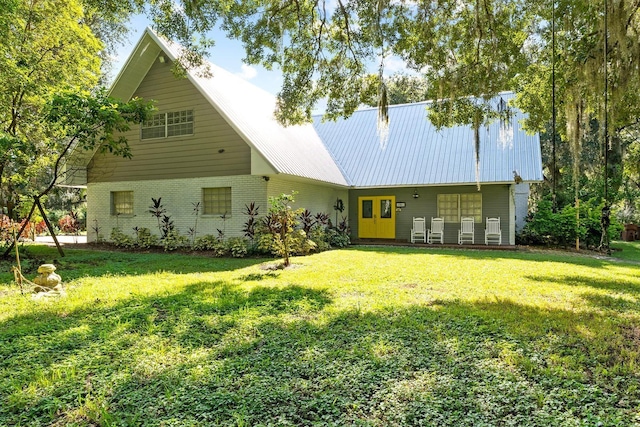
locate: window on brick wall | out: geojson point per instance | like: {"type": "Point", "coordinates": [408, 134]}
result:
{"type": "Point", "coordinates": [452, 207]}
{"type": "Point", "coordinates": [122, 203]}
{"type": "Point", "coordinates": [216, 201]}
{"type": "Point", "coordinates": [173, 123]}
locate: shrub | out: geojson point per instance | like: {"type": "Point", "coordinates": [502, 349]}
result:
{"type": "Point", "coordinates": [237, 247]}
{"type": "Point", "coordinates": [173, 240]}
{"type": "Point", "coordinates": [121, 240]}
{"type": "Point", "coordinates": [249, 228]}
{"type": "Point", "coordinates": [320, 236]}
{"type": "Point", "coordinates": [561, 228]}
{"type": "Point", "coordinates": [307, 220]}
{"type": "Point", "coordinates": [209, 242]}
{"type": "Point", "coordinates": [337, 238]}
{"type": "Point", "coordinates": [144, 238]}
{"type": "Point", "coordinates": [69, 223]}
{"type": "Point", "coordinates": [6, 228]}
{"type": "Point", "coordinates": [283, 222]}
{"type": "Point", "coordinates": [265, 242]}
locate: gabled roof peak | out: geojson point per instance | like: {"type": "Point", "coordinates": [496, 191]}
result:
{"type": "Point", "coordinates": [294, 150]}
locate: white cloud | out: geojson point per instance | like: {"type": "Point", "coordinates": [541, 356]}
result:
{"type": "Point", "coordinates": [393, 64]}
{"type": "Point", "coordinates": [247, 72]}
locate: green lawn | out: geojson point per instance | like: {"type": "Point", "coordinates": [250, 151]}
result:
{"type": "Point", "coordinates": [362, 336]}
{"type": "Point", "coordinates": [629, 251]}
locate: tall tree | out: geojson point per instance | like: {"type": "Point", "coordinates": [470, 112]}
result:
{"type": "Point", "coordinates": [45, 49]}
{"type": "Point", "coordinates": [84, 120]}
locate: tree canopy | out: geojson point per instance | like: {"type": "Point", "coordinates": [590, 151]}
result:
{"type": "Point", "coordinates": [45, 49]}
{"type": "Point", "coordinates": [476, 48]}
{"type": "Point", "coordinates": [464, 52]}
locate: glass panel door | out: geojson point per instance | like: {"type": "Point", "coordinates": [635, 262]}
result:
{"type": "Point", "coordinates": [376, 217]}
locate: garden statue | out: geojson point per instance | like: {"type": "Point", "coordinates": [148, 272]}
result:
{"type": "Point", "coordinates": [48, 280]}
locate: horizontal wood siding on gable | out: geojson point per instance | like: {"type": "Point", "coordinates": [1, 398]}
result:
{"type": "Point", "coordinates": [189, 156]}
{"type": "Point", "coordinates": [495, 203]}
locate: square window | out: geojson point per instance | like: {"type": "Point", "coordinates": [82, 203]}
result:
{"type": "Point", "coordinates": [122, 203]}
{"type": "Point", "coordinates": [180, 123]}
{"type": "Point", "coordinates": [448, 207]}
{"type": "Point", "coordinates": [154, 127]}
{"type": "Point", "coordinates": [216, 201]}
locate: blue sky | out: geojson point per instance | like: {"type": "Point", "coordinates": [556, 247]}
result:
{"type": "Point", "coordinates": [226, 53]}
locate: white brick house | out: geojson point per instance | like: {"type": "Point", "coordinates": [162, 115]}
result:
{"type": "Point", "coordinates": [214, 140]}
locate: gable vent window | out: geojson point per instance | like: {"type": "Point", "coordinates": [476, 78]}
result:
{"type": "Point", "coordinates": [162, 125]}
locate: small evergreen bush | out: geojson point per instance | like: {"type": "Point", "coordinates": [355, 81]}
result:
{"type": "Point", "coordinates": [121, 240]}
{"type": "Point", "coordinates": [173, 240]}
{"type": "Point", "coordinates": [144, 238]}
{"type": "Point", "coordinates": [237, 247]}
{"type": "Point", "coordinates": [209, 242]}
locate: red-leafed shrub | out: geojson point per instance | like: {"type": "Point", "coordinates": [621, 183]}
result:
{"type": "Point", "coordinates": [6, 225]}
{"type": "Point", "coordinates": [69, 223]}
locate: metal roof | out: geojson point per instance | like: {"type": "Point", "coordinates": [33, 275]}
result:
{"type": "Point", "coordinates": [418, 154]}
{"type": "Point", "coordinates": [347, 152]}
{"type": "Point", "coordinates": [293, 150]}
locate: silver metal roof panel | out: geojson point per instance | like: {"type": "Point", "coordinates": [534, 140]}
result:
{"type": "Point", "coordinates": [418, 154]}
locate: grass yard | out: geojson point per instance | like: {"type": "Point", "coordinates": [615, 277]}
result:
{"type": "Point", "coordinates": [362, 336]}
{"type": "Point", "coordinates": [629, 251]}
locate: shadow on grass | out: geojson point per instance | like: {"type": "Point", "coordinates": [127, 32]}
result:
{"type": "Point", "coordinates": [590, 282]}
{"type": "Point", "coordinates": [583, 258]}
{"type": "Point", "coordinates": [215, 354]}
{"type": "Point", "coordinates": [81, 263]}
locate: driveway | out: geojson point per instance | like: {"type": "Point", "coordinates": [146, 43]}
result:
{"type": "Point", "coordinates": [62, 239]}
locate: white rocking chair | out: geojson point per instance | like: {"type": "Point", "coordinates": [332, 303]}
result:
{"type": "Point", "coordinates": [466, 234]}
{"type": "Point", "coordinates": [492, 231]}
{"type": "Point", "coordinates": [418, 231]}
{"type": "Point", "coordinates": [436, 232]}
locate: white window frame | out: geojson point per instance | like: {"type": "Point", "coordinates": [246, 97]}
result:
{"type": "Point", "coordinates": [161, 121]}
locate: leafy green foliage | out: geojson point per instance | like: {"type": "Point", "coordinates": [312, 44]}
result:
{"type": "Point", "coordinates": [121, 239]}
{"type": "Point", "coordinates": [281, 224]}
{"type": "Point", "coordinates": [562, 228]}
{"type": "Point", "coordinates": [144, 238]}
{"type": "Point", "coordinates": [45, 49]}
{"type": "Point", "coordinates": [402, 88]}
{"type": "Point", "coordinates": [173, 240]}
{"type": "Point", "coordinates": [209, 242]}
{"type": "Point", "coordinates": [149, 339]}
{"type": "Point", "coordinates": [238, 247]}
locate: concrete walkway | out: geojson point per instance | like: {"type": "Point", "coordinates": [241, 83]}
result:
{"type": "Point", "coordinates": [62, 239]}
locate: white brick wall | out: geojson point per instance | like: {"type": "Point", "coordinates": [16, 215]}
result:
{"type": "Point", "coordinates": [179, 194]}
{"type": "Point", "coordinates": [177, 197]}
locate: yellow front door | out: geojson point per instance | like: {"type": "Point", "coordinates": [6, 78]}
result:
{"type": "Point", "coordinates": [377, 217]}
